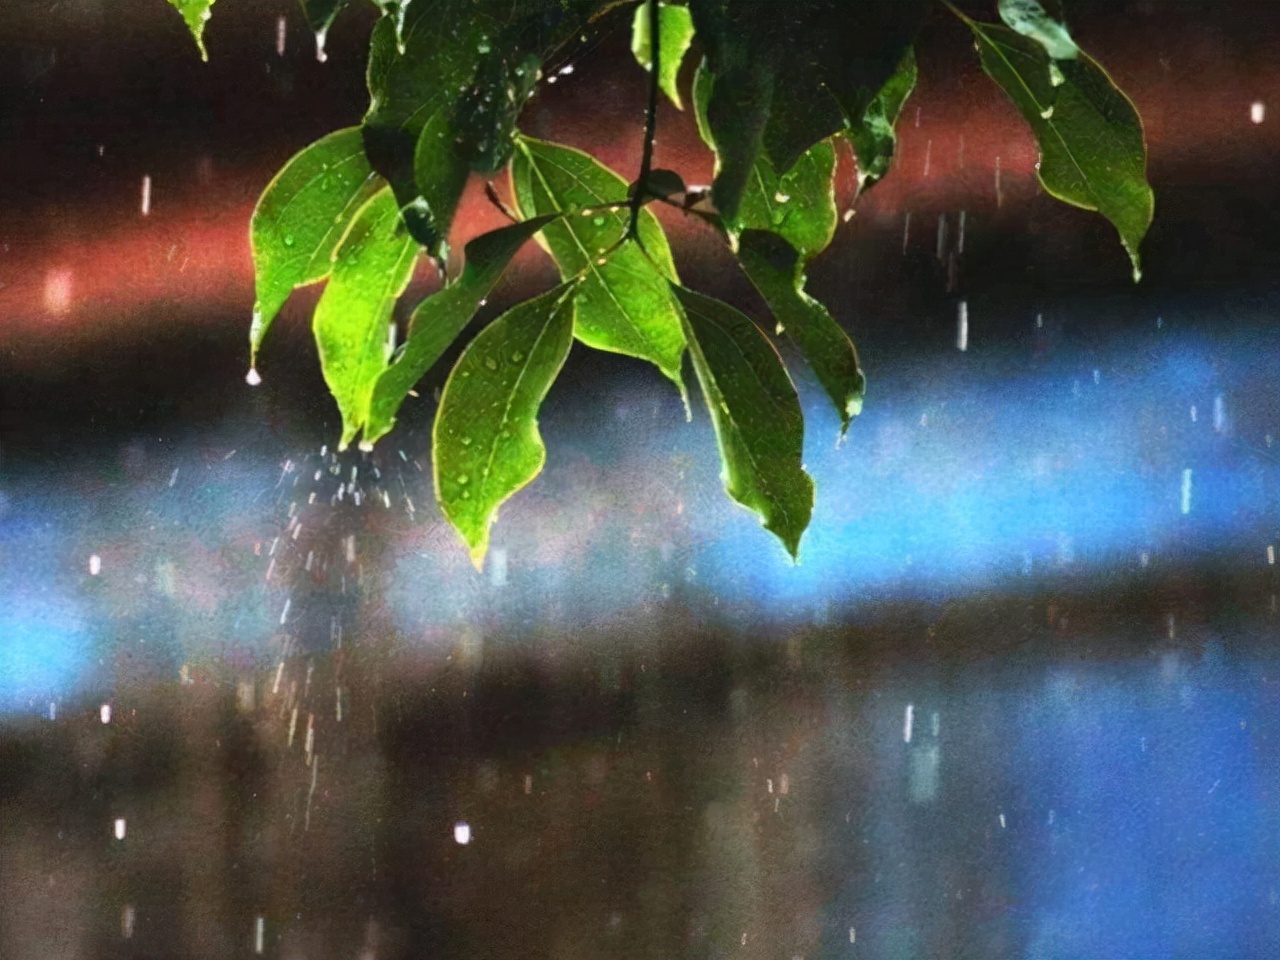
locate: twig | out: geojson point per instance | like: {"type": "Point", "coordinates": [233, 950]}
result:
{"type": "Point", "coordinates": [650, 122]}
{"type": "Point", "coordinates": [491, 192]}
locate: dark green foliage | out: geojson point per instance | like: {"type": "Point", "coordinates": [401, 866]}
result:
{"type": "Point", "coordinates": [780, 83]}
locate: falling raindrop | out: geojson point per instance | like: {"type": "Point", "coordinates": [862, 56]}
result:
{"type": "Point", "coordinates": [253, 378]}
{"type": "Point", "coordinates": [962, 326]}
{"type": "Point", "coordinates": [104, 713]}
{"type": "Point", "coordinates": [282, 25]}
{"type": "Point", "coordinates": [1257, 111]}
{"type": "Point", "coordinates": [146, 195]}
{"type": "Point", "coordinates": [1186, 491]}
{"type": "Point", "coordinates": [322, 57]}
{"type": "Point", "coordinates": [462, 832]}
{"type": "Point", "coordinates": [119, 828]}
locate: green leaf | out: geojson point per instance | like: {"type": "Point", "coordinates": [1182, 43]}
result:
{"type": "Point", "coordinates": [439, 319]}
{"type": "Point", "coordinates": [788, 75]}
{"type": "Point", "coordinates": [353, 319]}
{"type": "Point", "coordinates": [800, 205]}
{"type": "Point", "coordinates": [320, 15]}
{"type": "Point", "coordinates": [676, 27]}
{"type": "Point", "coordinates": [196, 13]}
{"type": "Point", "coordinates": [300, 219]}
{"type": "Point", "coordinates": [777, 270]}
{"type": "Point", "coordinates": [624, 303]}
{"type": "Point", "coordinates": [1029, 18]}
{"type": "Point", "coordinates": [462, 69]}
{"type": "Point", "coordinates": [756, 415]}
{"type": "Point", "coordinates": [1092, 151]}
{"type": "Point", "coordinates": [486, 444]}
{"type": "Point", "coordinates": [873, 137]}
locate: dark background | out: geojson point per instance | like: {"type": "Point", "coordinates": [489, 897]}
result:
{"type": "Point", "coordinates": [112, 322]}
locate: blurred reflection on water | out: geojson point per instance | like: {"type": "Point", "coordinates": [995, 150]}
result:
{"type": "Point", "coordinates": [1022, 698]}
{"type": "Point", "coordinates": [923, 788]}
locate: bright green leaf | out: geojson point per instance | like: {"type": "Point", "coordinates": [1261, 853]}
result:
{"type": "Point", "coordinates": [301, 217]}
{"type": "Point", "coordinates": [196, 13]}
{"type": "Point", "coordinates": [1092, 151]}
{"type": "Point", "coordinates": [777, 271]}
{"type": "Point", "coordinates": [873, 137]}
{"type": "Point", "coordinates": [756, 415]}
{"type": "Point", "coordinates": [676, 27]}
{"type": "Point", "coordinates": [800, 205]}
{"type": "Point", "coordinates": [353, 319]}
{"type": "Point", "coordinates": [1029, 18]}
{"type": "Point", "coordinates": [624, 303]}
{"type": "Point", "coordinates": [439, 319]}
{"type": "Point", "coordinates": [485, 444]}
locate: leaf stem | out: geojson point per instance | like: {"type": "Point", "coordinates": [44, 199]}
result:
{"type": "Point", "coordinates": [957, 11]}
{"type": "Point", "coordinates": [650, 121]}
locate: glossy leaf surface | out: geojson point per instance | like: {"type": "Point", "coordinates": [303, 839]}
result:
{"type": "Point", "coordinates": [440, 318]}
{"type": "Point", "coordinates": [301, 217]}
{"type": "Point", "coordinates": [1092, 151]}
{"type": "Point", "coordinates": [756, 415]}
{"type": "Point", "coordinates": [352, 320]}
{"type": "Point", "coordinates": [624, 303]}
{"type": "Point", "coordinates": [196, 13]}
{"type": "Point", "coordinates": [777, 271]}
{"type": "Point", "coordinates": [1030, 19]}
{"type": "Point", "coordinates": [874, 137]}
{"type": "Point", "coordinates": [676, 29]}
{"type": "Point", "coordinates": [486, 444]}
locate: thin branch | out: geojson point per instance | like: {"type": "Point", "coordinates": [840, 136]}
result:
{"type": "Point", "coordinates": [491, 192]}
{"type": "Point", "coordinates": [650, 121]}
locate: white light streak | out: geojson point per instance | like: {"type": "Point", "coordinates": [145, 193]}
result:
{"type": "Point", "coordinates": [462, 832]}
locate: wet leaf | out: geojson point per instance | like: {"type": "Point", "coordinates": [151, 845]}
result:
{"type": "Point", "coordinates": [301, 217]}
{"type": "Point", "coordinates": [624, 303]}
{"type": "Point", "coordinates": [196, 13]}
{"type": "Point", "coordinates": [786, 75]}
{"type": "Point", "coordinates": [676, 27]}
{"type": "Point", "coordinates": [320, 15]}
{"type": "Point", "coordinates": [1030, 19]}
{"type": "Point", "coordinates": [873, 137]}
{"type": "Point", "coordinates": [439, 319]}
{"type": "Point", "coordinates": [1092, 151]}
{"type": "Point", "coordinates": [756, 415]}
{"type": "Point", "coordinates": [486, 444]}
{"type": "Point", "coordinates": [800, 205]}
{"type": "Point", "coordinates": [777, 271]}
{"type": "Point", "coordinates": [352, 320]}
{"type": "Point", "coordinates": [464, 69]}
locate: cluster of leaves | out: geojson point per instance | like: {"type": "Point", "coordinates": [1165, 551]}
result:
{"type": "Point", "coordinates": [779, 87]}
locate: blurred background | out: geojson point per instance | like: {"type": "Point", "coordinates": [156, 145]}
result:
{"type": "Point", "coordinates": [1021, 697]}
